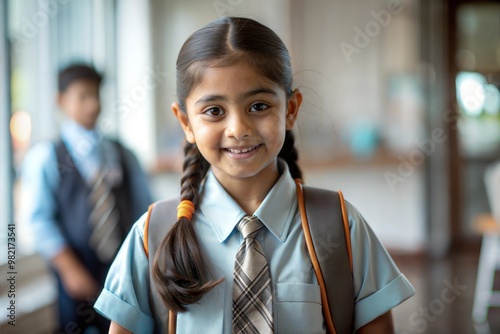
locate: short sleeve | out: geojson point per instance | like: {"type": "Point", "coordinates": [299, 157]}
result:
{"type": "Point", "coordinates": [125, 297]}
{"type": "Point", "coordinates": [379, 286]}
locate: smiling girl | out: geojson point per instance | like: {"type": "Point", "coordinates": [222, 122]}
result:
{"type": "Point", "coordinates": [235, 261]}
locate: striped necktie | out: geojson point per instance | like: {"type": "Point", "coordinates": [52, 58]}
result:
{"type": "Point", "coordinates": [252, 296]}
{"type": "Point", "coordinates": [105, 237]}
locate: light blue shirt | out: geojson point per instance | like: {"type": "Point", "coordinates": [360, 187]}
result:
{"type": "Point", "coordinates": [379, 285]}
{"type": "Point", "coordinates": [41, 175]}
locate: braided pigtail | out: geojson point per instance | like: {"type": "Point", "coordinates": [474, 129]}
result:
{"type": "Point", "coordinates": [290, 155]}
{"type": "Point", "coordinates": [181, 274]}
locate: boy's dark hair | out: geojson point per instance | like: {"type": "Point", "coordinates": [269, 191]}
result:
{"type": "Point", "coordinates": [77, 72]}
{"type": "Point", "coordinates": [180, 270]}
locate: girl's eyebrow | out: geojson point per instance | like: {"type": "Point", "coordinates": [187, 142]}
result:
{"type": "Point", "coordinates": [214, 97]}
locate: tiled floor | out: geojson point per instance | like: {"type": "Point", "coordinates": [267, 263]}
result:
{"type": "Point", "coordinates": [435, 311]}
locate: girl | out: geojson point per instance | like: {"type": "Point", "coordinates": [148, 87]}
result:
{"type": "Point", "coordinates": [235, 260]}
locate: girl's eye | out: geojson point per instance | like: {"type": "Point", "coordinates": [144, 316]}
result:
{"type": "Point", "coordinates": [259, 107]}
{"type": "Point", "coordinates": [214, 111]}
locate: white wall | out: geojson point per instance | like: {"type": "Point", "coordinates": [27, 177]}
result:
{"type": "Point", "coordinates": [345, 53]}
{"type": "Point", "coordinates": [136, 79]}
{"type": "Point", "coordinates": [358, 61]}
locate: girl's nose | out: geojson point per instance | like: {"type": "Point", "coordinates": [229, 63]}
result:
{"type": "Point", "coordinates": [239, 126]}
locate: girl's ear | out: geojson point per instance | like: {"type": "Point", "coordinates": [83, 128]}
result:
{"type": "Point", "coordinates": [184, 122]}
{"type": "Point", "coordinates": [293, 108]}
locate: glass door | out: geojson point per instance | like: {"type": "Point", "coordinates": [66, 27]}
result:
{"type": "Point", "coordinates": [477, 83]}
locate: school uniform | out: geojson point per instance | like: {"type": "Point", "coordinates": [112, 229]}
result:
{"type": "Point", "coordinates": [57, 179]}
{"type": "Point", "coordinates": [379, 285]}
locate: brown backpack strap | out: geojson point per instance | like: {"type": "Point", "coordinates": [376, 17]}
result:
{"type": "Point", "coordinates": [145, 240]}
{"type": "Point", "coordinates": [347, 231]}
{"type": "Point", "coordinates": [172, 322]}
{"type": "Point", "coordinates": [333, 271]}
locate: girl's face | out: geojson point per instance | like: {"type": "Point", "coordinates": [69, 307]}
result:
{"type": "Point", "coordinates": [238, 120]}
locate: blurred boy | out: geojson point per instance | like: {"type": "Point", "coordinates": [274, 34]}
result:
{"type": "Point", "coordinates": [82, 192]}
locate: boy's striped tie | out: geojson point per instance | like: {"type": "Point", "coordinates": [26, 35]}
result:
{"type": "Point", "coordinates": [105, 237]}
{"type": "Point", "coordinates": [252, 296]}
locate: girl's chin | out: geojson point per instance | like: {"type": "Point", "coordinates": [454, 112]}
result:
{"type": "Point", "coordinates": [247, 173]}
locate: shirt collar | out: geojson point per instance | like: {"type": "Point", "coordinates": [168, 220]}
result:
{"type": "Point", "coordinates": [276, 211]}
{"type": "Point", "coordinates": [79, 138]}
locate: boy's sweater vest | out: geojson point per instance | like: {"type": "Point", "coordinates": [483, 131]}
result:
{"type": "Point", "coordinates": [74, 208]}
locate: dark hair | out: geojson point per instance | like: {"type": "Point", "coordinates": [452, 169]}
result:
{"type": "Point", "coordinates": [181, 274]}
{"type": "Point", "coordinates": [77, 72]}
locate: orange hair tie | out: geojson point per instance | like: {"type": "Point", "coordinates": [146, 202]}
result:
{"type": "Point", "coordinates": [185, 209]}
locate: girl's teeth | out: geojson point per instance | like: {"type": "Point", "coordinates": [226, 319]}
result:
{"type": "Point", "coordinates": [245, 150]}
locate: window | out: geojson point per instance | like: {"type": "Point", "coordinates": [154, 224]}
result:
{"type": "Point", "coordinates": [39, 37]}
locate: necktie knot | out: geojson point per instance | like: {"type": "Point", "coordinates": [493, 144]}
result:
{"type": "Point", "coordinates": [249, 226]}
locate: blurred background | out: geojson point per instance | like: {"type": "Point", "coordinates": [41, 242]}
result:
{"type": "Point", "coordinates": [401, 112]}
